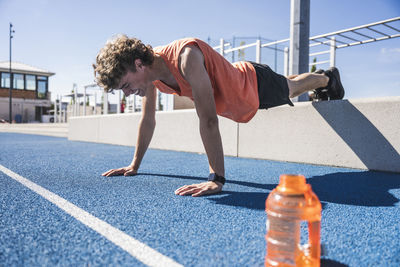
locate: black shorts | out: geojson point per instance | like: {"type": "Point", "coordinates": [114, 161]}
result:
{"type": "Point", "coordinates": [273, 89]}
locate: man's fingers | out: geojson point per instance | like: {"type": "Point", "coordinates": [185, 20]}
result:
{"type": "Point", "coordinates": [183, 188]}
{"type": "Point", "coordinates": [197, 190]}
{"type": "Point", "coordinates": [201, 193]}
{"type": "Point", "coordinates": [188, 189]}
{"type": "Point", "coordinates": [113, 172]}
{"type": "Point", "coordinates": [106, 173]}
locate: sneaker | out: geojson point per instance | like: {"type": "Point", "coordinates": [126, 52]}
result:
{"type": "Point", "coordinates": [320, 94]}
{"type": "Point", "coordinates": [335, 87]}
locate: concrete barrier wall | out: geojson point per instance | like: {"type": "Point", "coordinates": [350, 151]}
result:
{"type": "Point", "coordinates": [357, 134]}
{"type": "Point", "coordinates": [361, 133]}
{"type": "Point", "coordinates": [175, 130]}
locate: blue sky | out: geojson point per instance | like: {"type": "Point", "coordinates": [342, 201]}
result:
{"type": "Point", "coordinates": [64, 36]}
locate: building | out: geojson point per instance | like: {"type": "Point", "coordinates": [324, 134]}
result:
{"type": "Point", "coordinates": [30, 94]}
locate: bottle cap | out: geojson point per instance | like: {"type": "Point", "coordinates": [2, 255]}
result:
{"type": "Point", "coordinates": [292, 184]}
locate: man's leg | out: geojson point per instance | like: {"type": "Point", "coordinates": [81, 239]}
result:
{"type": "Point", "coordinates": [299, 84]}
{"type": "Point", "coordinates": [326, 84]}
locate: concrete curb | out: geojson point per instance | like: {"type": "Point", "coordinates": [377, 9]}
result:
{"type": "Point", "coordinates": [49, 129]}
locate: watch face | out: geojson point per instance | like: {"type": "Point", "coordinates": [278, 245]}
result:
{"type": "Point", "coordinates": [216, 178]}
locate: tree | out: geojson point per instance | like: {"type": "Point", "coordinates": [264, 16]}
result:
{"type": "Point", "coordinates": [314, 67]}
{"type": "Point", "coordinates": [241, 53]}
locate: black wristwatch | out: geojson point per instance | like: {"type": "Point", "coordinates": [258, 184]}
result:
{"type": "Point", "coordinates": [216, 178]}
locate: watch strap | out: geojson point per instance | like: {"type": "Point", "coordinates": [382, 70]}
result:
{"type": "Point", "coordinates": [216, 178]}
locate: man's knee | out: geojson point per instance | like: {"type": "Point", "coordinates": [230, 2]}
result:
{"type": "Point", "coordinates": [292, 76]}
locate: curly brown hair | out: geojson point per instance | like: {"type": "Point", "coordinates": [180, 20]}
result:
{"type": "Point", "coordinates": [117, 57]}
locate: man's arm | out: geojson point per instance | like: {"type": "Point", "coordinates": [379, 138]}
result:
{"type": "Point", "coordinates": [145, 134]}
{"type": "Point", "coordinates": [146, 127]}
{"type": "Point", "coordinates": [194, 71]}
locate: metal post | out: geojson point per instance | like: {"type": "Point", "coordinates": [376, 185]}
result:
{"type": "Point", "coordinates": [222, 44]}
{"type": "Point", "coordinates": [286, 62]}
{"type": "Point", "coordinates": [233, 45]}
{"type": "Point", "coordinates": [55, 110]}
{"type": "Point", "coordinates": [258, 51]}
{"type": "Point", "coordinates": [11, 77]}
{"type": "Point", "coordinates": [299, 39]}
{"type": "Point", "coordinates": [75, 99]}
{"type": "Point", "coordinates": [60, 108]}
{"type": "Point", "coordinates": [105, 102]}
{"type": "Point", "coordinates": [119, 102]}
{"type": "Point", "coordinates": [84, 100]}
{"type": "Point", "coordinates": [167, 101]}
{"type": "Point", "coordinates": [95, 103]}
{"type": "Point", "coordinates": [157, 101]}
{"type": "Point", "coordinates": [276, 56]}
{"type": "Point", "coordinates": [78, 104]}
{"type": "Point", "coordinates": [333, 52]}
{"type": "Point", "coordinates": [134, 102]}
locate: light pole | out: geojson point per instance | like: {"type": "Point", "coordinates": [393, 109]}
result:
{"type": "Point", "coordinates": [11, 76]}
{"type": "Point", "coordinates": [299, 39]}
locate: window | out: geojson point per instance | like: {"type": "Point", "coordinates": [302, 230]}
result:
{"type": "Point", "coordinates": [30, 82]}
{"type": "Point", "coordinates": [19, 82]}
{"type": "Point", "coordinates": [41, 86]}
{"type": "Point", "coordinates": [5, 80]}
{"type": "Point", "coordinates": [42, 89]}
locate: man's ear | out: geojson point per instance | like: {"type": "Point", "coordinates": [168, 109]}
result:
{"type": "Point", "coordinates": [138, 63]}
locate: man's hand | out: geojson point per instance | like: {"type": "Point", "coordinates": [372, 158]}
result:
{"type": "Point", "coordinates": [126, 171]}
{"type": "Point", "coordinates": [196, 190]}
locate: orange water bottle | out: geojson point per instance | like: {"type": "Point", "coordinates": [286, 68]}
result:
{"type": "Point", "coordinates": [290, 203]}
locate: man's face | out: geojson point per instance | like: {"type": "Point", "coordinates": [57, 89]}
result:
{"type": "Point", "coordinates": [135, 82]}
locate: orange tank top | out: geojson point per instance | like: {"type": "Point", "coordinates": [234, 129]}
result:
{"type": "Point", "coordinates": [234, 85]}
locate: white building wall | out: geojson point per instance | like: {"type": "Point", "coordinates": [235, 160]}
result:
{"type": "Point", "coordinates": [23, 107]}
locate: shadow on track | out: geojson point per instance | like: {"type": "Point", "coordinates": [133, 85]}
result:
{"type": "Point", "coordinates": [367, 188]}
{"type": "Point", "coordinates": [364, 188]}
{"type": "Point", "coordinates": [203, 179]}
{"type": "Point", "coordinates": [331, 263]}
{"type": "Point", "coordinates": [360, 134]}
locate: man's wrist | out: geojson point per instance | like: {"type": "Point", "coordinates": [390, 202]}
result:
{"type": "Point", "coordinates": [135, 168]}
{"type": "Point", "coordinates": [213, 177]}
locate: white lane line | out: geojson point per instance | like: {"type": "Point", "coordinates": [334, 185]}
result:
{"type": "Point", "coordinates": [140, 251]}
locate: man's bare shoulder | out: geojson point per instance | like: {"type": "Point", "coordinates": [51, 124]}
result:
{"type": "Point", "coordinates": [191, 57]}
{"type": "Point", "coordinates": [191, 53]}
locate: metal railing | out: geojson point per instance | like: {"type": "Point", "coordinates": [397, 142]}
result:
{"type": "Point", "coordinates": [334, 40]}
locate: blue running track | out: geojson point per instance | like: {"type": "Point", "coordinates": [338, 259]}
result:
{"type": "Point", "coordinates": [360, 217]}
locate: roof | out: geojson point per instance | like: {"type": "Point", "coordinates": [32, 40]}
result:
{"type": "Point", "coordinates": [23, 68]}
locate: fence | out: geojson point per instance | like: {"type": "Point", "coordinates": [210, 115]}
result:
{"type": "Point", "coordinates": [373, 32]}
